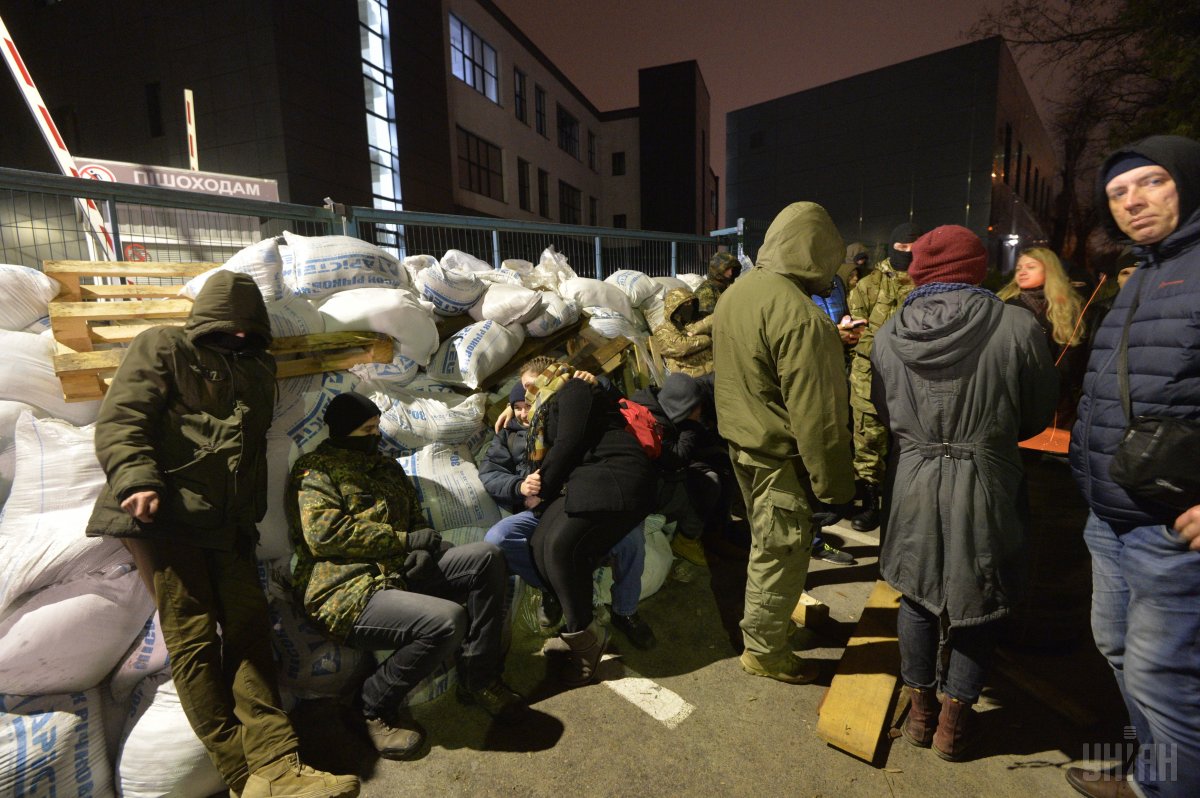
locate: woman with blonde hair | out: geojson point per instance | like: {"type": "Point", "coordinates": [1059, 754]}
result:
{"type": "Point", "coordinates": [1041, 286]}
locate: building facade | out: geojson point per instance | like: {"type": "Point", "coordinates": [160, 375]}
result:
{"type": "Point", "coordinates": [948, 138]}
{"type": "Point", "coordinates": [442, 106]}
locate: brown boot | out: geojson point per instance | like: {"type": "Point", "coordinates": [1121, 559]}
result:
{"type": "Point", "coordinates": [586, 649]}
{"type": "Point", "coordinates": [399, 737]}
{"type": "Point", "coordinates": [291, 777]}
{"type": "Point", "coordinates": [956, 730]}
{"type": "Point", "coordinates": [922, 716]}
{"type": "Point", "coordinates": [1096, 784]}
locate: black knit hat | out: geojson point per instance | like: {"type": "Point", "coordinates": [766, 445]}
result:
{"type": "Point", "coordinates": [517, 394]}
{"type": "Point", "coordinates": [347, 412]}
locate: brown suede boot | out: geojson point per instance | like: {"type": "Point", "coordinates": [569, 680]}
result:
{"type": "Point", "coordinates": [922, 716]}
{"type": "Point", "coordinates": [956, 730]}
{"type": "Point", "coordinates": [586, 649]}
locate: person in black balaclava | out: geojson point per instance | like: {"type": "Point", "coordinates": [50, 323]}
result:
{"type": "Point", "coordinates": [875, 298]}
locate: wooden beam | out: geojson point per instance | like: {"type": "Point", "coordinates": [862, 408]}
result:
{"type": "Point", "coordinates": [857, 707]}
{"type": "Point", "coordinates": [124, 268]}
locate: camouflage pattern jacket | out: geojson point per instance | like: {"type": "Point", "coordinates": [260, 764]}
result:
{"type": "Point", "coordinates": [686, 349]}
{"type": "Point", "coordinates": [349, 515]}
{"type": "Point", "coordinates": [876, 297]}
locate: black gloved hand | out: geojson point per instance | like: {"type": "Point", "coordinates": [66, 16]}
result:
{"type": "Point", "coordinates": [420, 568]}
{"type": "Point", "coordinates": [424, 540]}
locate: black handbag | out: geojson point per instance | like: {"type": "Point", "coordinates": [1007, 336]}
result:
{"type": "Point", "coordinates": [1156, 459]}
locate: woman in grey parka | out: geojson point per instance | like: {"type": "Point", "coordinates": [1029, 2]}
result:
{"type": "Point", "coordinates": [959, 378]}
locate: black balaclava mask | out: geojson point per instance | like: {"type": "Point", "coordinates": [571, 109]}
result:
{"type": "Point", "coordinates": [905, 233]}
{"type": "Point", "coordinates": [346, 413]}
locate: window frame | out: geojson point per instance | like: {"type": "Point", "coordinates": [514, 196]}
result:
{"type": "Point", "coordinates": [483, 177]}
{"type": "Point", "coordinates": [470, 55]}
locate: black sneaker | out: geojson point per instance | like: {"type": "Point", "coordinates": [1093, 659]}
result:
{"type": "Point", "coordinates": [830, 554]}
{"type": "Point", "coordinates": [634, 628]}
{"type": "Point", "coordinates": [549, 611]}
{"type": "Point", "coordinates": [498, 700]}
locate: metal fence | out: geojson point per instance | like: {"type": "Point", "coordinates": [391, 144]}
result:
{"type": "Point", "coordinates": [40, 220]}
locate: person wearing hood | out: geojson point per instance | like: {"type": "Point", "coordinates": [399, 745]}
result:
{"type": "Point", "coordinates": [371, 573]}
{"type": "Point", "coordinates": [723, 269]}
{"type": "Point", "coordinates": [1145, 556]}
{"type": "Point", "coordinates": [959, 378]}
{"type": "Point", "coordinates": [182, 439]}
{"type": "Point", "coordinates": [782, 406]}
{"type": "Point", "coordinates": [875, 298]}
{"type": "Point", "coordinates": [683, 338]}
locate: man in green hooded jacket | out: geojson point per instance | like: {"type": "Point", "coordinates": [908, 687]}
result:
{"type": "Point", "coordinates": [782, 406]}
{"type": "Point", "coordinates": [181, 437]}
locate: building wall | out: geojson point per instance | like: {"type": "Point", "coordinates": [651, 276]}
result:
{"type": "Point", "coordinates": [622, 193]}
{"type": "Point", "coordinates": [674, 136]}
{"type": "Point", "coordinates": [914, 141]}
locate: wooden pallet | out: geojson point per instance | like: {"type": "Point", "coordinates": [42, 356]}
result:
{"type": "Point", "coordinates": [93, 324]}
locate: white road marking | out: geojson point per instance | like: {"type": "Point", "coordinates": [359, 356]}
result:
{"type": "Point", "coordinates": [652, 698]}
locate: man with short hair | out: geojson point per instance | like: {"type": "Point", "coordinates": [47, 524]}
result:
{"type": "Point", "coordinates": [781, 405]}
{"type": "Point", "coordinates": [1146, 558]}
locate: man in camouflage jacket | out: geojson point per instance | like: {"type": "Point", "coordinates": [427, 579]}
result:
{"type": "Point", "coordinates": [876, 297]}
{"type": "Point", "coordinates": [371, 572]}
{"type": "Point", "coordinates": [723, 269]}
{"type": "Point", "coordinates": [685, 344]}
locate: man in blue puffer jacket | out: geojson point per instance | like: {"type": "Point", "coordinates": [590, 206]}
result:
{"type": "Point", "coordinates": [1146, 562]}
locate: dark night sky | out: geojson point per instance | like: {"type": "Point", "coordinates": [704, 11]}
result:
{"type": "Point", "coordinates": [748, 51]}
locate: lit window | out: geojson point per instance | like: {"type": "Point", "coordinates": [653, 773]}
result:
{"type": "Point", "coordinates": [472, 60]}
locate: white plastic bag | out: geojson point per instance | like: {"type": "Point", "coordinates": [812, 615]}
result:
{"type": "Point", "coordinates": [53, 745]}
{"type": "Point", "coordinates": [507, 304]}
{"type": "Point", "coordinates": [25, 296]}
{"type": "Point", "coordinates": [452, 291]}
{"type": "Point", "coordinates": [260, 261]}
{"type": "Point", "coordinates": [413, 421]}
{"type": "Point", "coordinates": [475, 352]}
{"type": "Point", "coordinates": [448, 485]}
{"type": "Point", "coordinates": [461, 261]}
{"type": "Point", "coordinates": [588, 293]}
{"type": "Point", "coordinates": [27, 375]}
{"type": "Point", "coordinates": [556, 313]}
{"type": "Point", "coordinates": [318, 266]}
{"type": "Point", "coordinates": [310, 664]}
{"type": "Point", "coordinates": [409, 322]}
{"type": "Point", "coordinates": [636, 285]}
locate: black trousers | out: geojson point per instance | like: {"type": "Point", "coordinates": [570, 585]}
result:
{"type": "Point", "coordinates": [567, 548]}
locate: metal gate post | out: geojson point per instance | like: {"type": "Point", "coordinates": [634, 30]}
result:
{"type": "Point", "coordinates": [495, 249]}
{"type": "Point", "coordinates": [674, 258]}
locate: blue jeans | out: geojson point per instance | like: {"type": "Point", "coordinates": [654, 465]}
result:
{"type": "Point", "coordinates": [1146, 621]}
{"type": "Point", "coordinates": [971, 648]}
{"type": "Point", "coordinates": [512, 535]}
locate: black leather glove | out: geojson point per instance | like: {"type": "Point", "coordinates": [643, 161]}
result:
{"type": "Point", "coordinates": [420, 568]}
{"type": "Point", "coordinates": [424, 540]}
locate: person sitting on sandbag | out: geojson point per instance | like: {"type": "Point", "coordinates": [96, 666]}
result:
{"type": "Point", "coordinates": [506, 475]}
{"type": "Point", "coordinates": [370, 572]}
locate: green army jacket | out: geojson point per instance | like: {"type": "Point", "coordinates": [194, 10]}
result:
{"type": "Point", "coordinates": [349, 514]}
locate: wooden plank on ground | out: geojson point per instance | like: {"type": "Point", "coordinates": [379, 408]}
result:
{"type": "Point", "coordinates": [857, 707]}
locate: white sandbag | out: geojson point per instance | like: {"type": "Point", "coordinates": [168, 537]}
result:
{"type": "Point", "coordinates": [595, 293]}
{"type": "Point", "coordinates": [636, 285]}
{"type": "Point", "coordinates": [160, 754]}
{"type": "Point", "coordinates": [551, 271]}
{"type": "Point", "coordinates": [294, 315]}
{"type": "Point", "coordinates": [447, 482]}
{"type": "Point", "coordinates": [260, 261]}
{"type": "Point", "coordinates": [273, 538]}
{"type": "Point", "coordinates": [146, 657]}
{"type": "Point", "coordinates": [69, 636]}
{"type": "Point", "coordinates": [522, 270]}
{"type": "Point", "coordinates": [671, 283]}
{"type": "Point", "coordinates": [659, 558]}
{"type": "Point", "coordinates": [461, 261]}
{"type": "Point", "coordinates": [411, 421]}
{"type": "Point", "coordinates": [399, 314]}
{"type": "Point", "coordinates": [56, 483]}
{"type": "Point", "coordinates": [25, 296]}
{"type": "Point", "coordinates": [507, 304]}
{"type": "Point", "coordinates": [386, 377]}
{"type": "Point", "coordinates": [612, 324]}
{"type": "Point", "coordinates": [9, 413]}
{"type": "Point", "coordinates": [40, 327]}
{"type": "Point", "coordinates": [692, 281]}
{"type": "Point", "coordinates": [308, 430]}
{"type": "Point", "coordinates": [318, 266]}
{"type": "Point", "coordinates": [452, 291]}
{"type": "Point", "coordinates": [53, 745]}
{"type": "Point", "coordinates": [475, 352]}
{"type": "Point", "coordinates": [27, 375]}
{"type": "Point", "coordinates": [413, 264]}
{"type": "Point", "coordinates": [310, 664]}
{"type": "Point", "coordinates": [556, 313]}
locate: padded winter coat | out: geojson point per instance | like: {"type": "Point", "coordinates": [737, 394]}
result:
{"type": "Point", "coordinates": [188, 418]}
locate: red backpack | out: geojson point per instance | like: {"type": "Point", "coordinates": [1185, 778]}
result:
{"type": "Point", "coordinates": [642, 424]}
